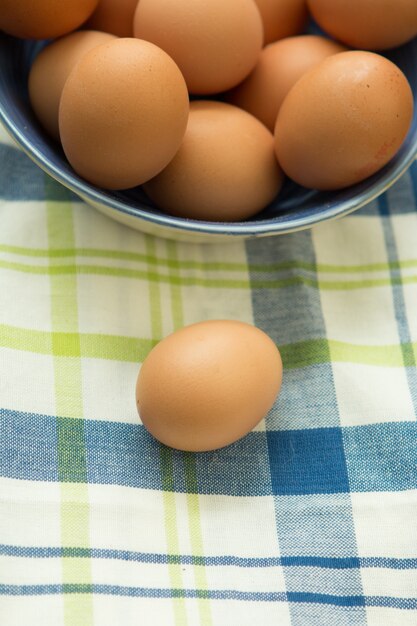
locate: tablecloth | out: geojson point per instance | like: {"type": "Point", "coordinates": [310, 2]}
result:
{"type": "Point", "coordinates": [311, 519]}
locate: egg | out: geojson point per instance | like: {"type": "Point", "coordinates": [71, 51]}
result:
{"type": "Point", "coordinates": [114, 16]}
{"type": "Point", "coordinates": [51, 69]}
{"type": "Point", "coordinates": [43, 19]}
{"type": "Point", "coordinates": [343, 120]}
{"type": "Point", "coordinates": [208, 384]}
{"type": "Point", "coordinates": [225, 170]}
{"type": "Point", "coordinates": [282, 18]}
{"type": "Point", "coordinates": [279, 67]}
{"type": "Point", "coordinates": [215, 44]}
{"type": "Point", "coordinates": [123, 113]}
{"type": "Point", "coordinates": [367, 24]}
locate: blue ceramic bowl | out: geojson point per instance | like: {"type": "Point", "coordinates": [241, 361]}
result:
{"type": "Point", "coordinates": [294, 209]}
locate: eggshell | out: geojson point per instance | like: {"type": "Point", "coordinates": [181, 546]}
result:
{"type": "Point", "coordinates": [51, 69]}
{"type": "Point", "coordinates": [279, 67]}
{"type": "Point", "coordinates": [343, 120]}
{"type": "Point", "coordinates": [215, 44]}
{"type": "Point", "coordinates": [208, 384]}
{"type": "Point", "coordinates": [367, 24]}
{"type": "Point", "coordinates": [43, 19]}
{"type": "Point", "coordinates": [123, 113]}
{"type": "Point", "coordinates": [282, 18]}
{"type": "Point", "coordinates": [114, 16]}
{"type": "Point", "coordinates": [225, 170]}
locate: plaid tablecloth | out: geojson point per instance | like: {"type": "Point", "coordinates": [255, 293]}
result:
{"type": "Point", "coordinates": [309, 520]}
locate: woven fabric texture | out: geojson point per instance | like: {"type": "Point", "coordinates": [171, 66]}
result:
{"type": "Point", "coordinates": [310, 520]}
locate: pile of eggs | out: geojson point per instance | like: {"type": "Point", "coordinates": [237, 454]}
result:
{"type": "Point", "coordinates": [266, 100]}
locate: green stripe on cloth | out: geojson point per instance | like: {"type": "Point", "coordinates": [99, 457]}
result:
{"type": "Point", "coordinates": [100, 270]}
{"type": "Point", "coordinates": [167, 468]}
{"type": "Point", "coordinates": [132, 350]}
{"type": "Point", "coordinates": [316, 351]}
{"type": "Point", "coordinates": [153, 259]}
{"type": "Point", "coordinates": [225, 283]}
{"type": "Point", "coordinates": [71, 453]}
{"type": "Point", "coordinates": [107, 347]}
{"type": "Point", "coordinates": [171, 532]}
{"type": "Point", "coordinates": [193, 503]}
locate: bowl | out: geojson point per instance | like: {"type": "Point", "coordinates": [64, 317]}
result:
{"type": "Point", "coordinates": [294, 209]}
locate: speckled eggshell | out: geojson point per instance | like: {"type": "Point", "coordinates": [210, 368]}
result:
{"type": "Point", "coordinates": [215, 44]}
{"type": "Point", "coordinates": [123, 113]}
{"type": "Point", "coordinates": [208, 384]}
{"type": "Point", "coordinates": [43, 19]}
{"type": "Point", "coordinates": [114, 16]}
{"type": "Point", "coordinates": [279, 67]}
{"type": "Point", "coordinates": [343, 120]}
{"type": "Point", "coordinates": [51, 69]}
{"type": "Point", "coordinates": [367, 24]}
{"type": "Point", "coordinates": [282, 18]}
{"type": "Point", "coordinates": [225, 170]}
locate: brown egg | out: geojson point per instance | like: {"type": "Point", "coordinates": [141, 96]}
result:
{"type": "Point", "coordinates": [114, 16]}
{"type": "Point", "coordinates": [343, 120]}
{"type": "Point", "coordinates": [215, 44]}
{"type": "Point", "coordinates": [279, 67]}
{"type": "Point", "coordinates": [123, 113]}
{"type": "Point", "coordinates": [51, 69]}
{"type": "Point", "coordinates": [282, 18]}
{"type": "Point", "coordinates": [225, 170]}
{"type": "Point", "coordinates": [367, 24]}
{"type": "Point", "coordinates": [208, 384]}
{"type": "Point", "coordinates": [43, 19]}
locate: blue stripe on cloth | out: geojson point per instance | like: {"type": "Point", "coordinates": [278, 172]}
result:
{"type": "Point", "coordinates": [141, 592]}
{"type": "Point", "coordinates": [388, 563]}
{"type": "Point", "coordinates": [307, 614]}
{"type": "Point", "coordinates": [126, 455]}
{"type": "Point", "coordinates": [317, 581]}
{"type": "Point", "coordinates": [307, 461]}
{"type": "Point", "coordinates": [382, 457]}
{"type": "Point", "coordinates": [211, 561]}
{"type": "Point", "coordinates": [226, 594]}
{"type": "Point", "coordinates": [284, 317]}
{"type": "Point", "coordinates": [305, 443]}
{"type": "Point", "coordinates": [28, 446]}
{"type": "Point", "coordinates": [121, 454]}
{"type": "Point", "coordinates": [291, 315]}
{"type": "Point", "coordinates": [317, 525]}
{"type": "Point", "coordinates": [387, 202]}
{"type": "Point", "coordinates": [302, 403]}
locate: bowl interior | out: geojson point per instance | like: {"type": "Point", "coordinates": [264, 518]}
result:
{"type": "Point", "coordinates": [293, 209]}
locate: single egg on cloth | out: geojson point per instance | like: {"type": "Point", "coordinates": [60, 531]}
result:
{"type": "Point", "coordinates": [215, 44]}
{"type": "Point", "coordinates": [343, 120]}
{"type": "Point", "coordinates": [279, 67]}
{"type": "Point", "coordinates": [123, 113]}
{"type": "Point", "coordinates": [114, 16]}
{"type": "Point", "coordinates": [51, 69]}
{"type": "Point", "coordinates": [225, 170]}
{"type": "Point", "coordinates": [208, 384]}
{"type": "Point", "coordinates": [43, 19]}
{"type": "Point", "coordinates": [282, 18]}
{"type": "Point", "coordinates": [367, 24]}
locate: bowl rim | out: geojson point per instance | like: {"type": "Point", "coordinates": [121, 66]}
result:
{"type": "Point", "coordinates": [265, 227]}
